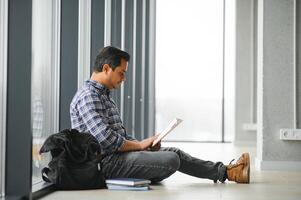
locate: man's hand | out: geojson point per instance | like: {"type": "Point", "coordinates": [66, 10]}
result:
{"type": "Point", "coordinates": [144, 145]}
{"type": "Point", "coordinates": [156, 147]}
{"type": "Point", "coordinates": [147, 143]}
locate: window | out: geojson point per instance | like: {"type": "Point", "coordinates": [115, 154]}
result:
{"type": "Point", "coordinates": [45, 78]}
{"type": "Point", "coordinates": [189, 68]}
{"type": "Point", "coordinates": [3, 83]}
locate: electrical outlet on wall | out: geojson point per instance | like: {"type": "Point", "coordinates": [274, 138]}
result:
{"type": "Point", "coordinates": [290, 134]}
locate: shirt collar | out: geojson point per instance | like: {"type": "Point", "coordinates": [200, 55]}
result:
{"type": "Point", "coordinates": [100, 87]}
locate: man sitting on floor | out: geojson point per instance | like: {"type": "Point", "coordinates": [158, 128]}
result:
{"type": "Point", "coordinates": [93, 110]}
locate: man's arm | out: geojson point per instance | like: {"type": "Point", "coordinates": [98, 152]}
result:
{"type": "Point", "coordinates": [92, 113]}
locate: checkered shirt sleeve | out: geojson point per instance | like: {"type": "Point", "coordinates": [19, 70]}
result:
{"type": "Point", "coordinates": [93, 113]}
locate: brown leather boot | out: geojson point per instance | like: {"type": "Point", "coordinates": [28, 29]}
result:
{"type": "Point", "coordinates": [240, 171]}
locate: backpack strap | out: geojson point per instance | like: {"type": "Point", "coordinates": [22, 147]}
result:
{"type": "Point", "coordinates": [45, 172]}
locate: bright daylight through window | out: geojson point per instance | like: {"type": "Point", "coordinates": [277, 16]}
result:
{"type": "Point", "coordinates": [189, 68]}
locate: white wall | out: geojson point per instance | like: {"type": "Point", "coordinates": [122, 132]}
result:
{"type": "Point", "coordinates": [244, 73]}
{"type": "Point", "coordinates": [276, 86]}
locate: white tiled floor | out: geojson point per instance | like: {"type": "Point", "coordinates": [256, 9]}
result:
{"type": "Point", "coordinates": [264, 184]}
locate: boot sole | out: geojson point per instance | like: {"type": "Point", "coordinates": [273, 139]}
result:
{"type": "Point", "coordinates": [246, 169]}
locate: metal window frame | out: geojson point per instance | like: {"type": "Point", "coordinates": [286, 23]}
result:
{"type": "Point", "coordinates": [143, 70]}
{"type": "Point", "coordinates": [18, 123]}
{"type": "Point", "coordinates": [134, 69]}
{"type": "Point", "coordinates": [139, 67]}
{"type": "Point", "coordinates": [128, 85]}
{"type": "Point", "coordinates": [68, 59]}
{"type": "Point", "coordinates": [56, 61]}
{"type": "Point", "coordinates": [123, 48]}
{"type": "Point", "coordinates": [115, 39]}
{"type": "Point", "coordinates": [3, 92]}
{"type": "Point", "coordinates": [97, 27]}
{"type": "Point", "coordinates": [107, 30]}
{"type": "Point", "coordinates": [84, 41]}
{"type": "Point", "coordinates": [151, 67]}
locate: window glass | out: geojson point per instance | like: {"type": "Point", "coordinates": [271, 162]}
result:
{"type": "Point", "coordinates": [189, 68]}
{"type": "Point", "coordinates": [44, 92]}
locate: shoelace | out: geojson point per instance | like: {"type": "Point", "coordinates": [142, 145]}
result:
{"type": "Point", "coordinates": [231, 161]}
{"type": "Point", "coordinates": [230, 166]}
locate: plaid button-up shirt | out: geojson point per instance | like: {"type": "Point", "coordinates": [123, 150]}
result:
{"type": "Point", "coordinates": [93, 110]}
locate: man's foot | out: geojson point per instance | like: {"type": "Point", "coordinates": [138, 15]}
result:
{"type": "Point", "coordinates": [240, 171]}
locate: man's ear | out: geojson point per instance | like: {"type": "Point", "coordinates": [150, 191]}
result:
{"type": "Point", "coordinates": [106, 68]}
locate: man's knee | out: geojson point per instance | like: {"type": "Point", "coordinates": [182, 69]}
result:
{"type": "Point", "coordinates": [173, 161]}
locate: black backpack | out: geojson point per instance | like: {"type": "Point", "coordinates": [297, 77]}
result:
{"type": "Point", "coordinates": [76, 161]}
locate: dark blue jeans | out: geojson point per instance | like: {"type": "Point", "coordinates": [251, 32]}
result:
{"type": "Point", "coordinates": [158, 165]}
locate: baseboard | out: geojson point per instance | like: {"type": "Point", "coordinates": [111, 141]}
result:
{"type": "Point", "coordinates": [277, 165]}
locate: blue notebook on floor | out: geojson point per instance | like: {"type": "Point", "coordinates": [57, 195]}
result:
{"type": "Point", "coordinates": [130, 188]}
{"type": "Point", "coordinates": [128, 181]}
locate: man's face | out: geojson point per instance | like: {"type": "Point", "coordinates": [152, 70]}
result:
{"type": "Point", "coordinates": [117, 76]}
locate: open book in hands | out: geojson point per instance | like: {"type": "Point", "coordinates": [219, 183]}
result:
{"type": "Point", "coordinates": [168, 129]}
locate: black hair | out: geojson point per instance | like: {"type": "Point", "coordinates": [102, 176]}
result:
{"type": "Point", "coordinates": [111, 56]}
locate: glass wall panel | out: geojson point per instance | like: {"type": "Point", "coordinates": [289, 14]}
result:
{"type": "Point", "coordinates": [44, 79]}
{"type": "Point", "coordinates": [189, 68]}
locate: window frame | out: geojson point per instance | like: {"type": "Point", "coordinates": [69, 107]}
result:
{"type": "Point", "coordinates": [18, 115]}
{"type": "Point", "coordinates": [3, 85]}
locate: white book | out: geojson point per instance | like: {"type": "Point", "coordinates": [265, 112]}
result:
{"type": "Point", "coordinates": [128, 181]}
{"type": "Point", "coordinates": [168, 129]}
